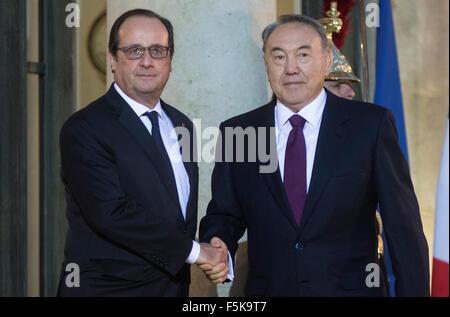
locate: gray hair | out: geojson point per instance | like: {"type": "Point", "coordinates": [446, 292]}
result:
{"type": "Point", "coordinates": [295, 18]}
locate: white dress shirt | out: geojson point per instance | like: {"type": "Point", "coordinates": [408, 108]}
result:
{"type": "Point", "coordinates": [170, 141]}
{"type": "Point", "coordinates": [312, 113]}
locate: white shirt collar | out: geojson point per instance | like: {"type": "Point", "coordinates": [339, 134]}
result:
{"type": "Point", "coordinates": [312, 112]}
{"type": "Point", "coordinates": [137, 107]}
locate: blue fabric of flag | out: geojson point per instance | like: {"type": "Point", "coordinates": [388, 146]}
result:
{"type": "Point", "coordinates": [388, 93]}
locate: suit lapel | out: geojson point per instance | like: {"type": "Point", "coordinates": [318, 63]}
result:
{"type": "Point", "coordinates": [132, 123]}
{"type": "Point", "coordinates": [329, 142]}
{"type": "Point", "coordinates": [273, 180]}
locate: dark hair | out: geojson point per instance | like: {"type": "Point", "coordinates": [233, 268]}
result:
{"type": "Point", "coordinates": [295, 18]}
{"type": "Point", "coordinates": [114, 35]}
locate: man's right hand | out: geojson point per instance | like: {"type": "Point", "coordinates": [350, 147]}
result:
{"type": "Point", "coordinates": [213, 260]}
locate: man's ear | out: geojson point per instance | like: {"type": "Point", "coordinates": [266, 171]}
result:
{"type": "Point", "coordinates": [265, 61]}
{"type": "Point", "coordinates": [113, 61]}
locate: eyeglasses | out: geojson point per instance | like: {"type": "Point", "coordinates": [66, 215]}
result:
{"type": "Point", "coordinates": [136, 52]}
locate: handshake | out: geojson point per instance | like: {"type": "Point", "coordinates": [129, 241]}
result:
{"type": "Point", "coordinates": [213, 260]}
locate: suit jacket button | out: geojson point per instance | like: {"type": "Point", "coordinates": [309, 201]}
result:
{"type": "Point", "coordinates": [299, 246]}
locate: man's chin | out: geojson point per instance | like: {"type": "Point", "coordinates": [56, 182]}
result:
{"type": "Point", "coordinates": [144, 90]}
{"type": "Point", "coordinates": [292, 100]}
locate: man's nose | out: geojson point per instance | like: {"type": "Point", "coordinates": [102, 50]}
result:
{"type": "Point", "coordinates": [291, 66]}
{"type": "Point", "coordinates": [347, 92]}
{"type": "Point", "coordinates": [146, 60]}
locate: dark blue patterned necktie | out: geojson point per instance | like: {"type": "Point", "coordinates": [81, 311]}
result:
{"type": "Point", "coordinates": [156, 135]}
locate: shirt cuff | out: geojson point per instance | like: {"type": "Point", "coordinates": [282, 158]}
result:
{"type": "Point", "coordinates": [230, 275]}
{"type": "Point", "coordinates": [195, 253]}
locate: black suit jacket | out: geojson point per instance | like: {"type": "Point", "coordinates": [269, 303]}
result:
{"type": "Point", "coordinates": [126, 229]}
{"type": "Point", "coordinates": [358, 164]}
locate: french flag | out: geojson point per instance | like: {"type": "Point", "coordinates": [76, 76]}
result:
{"type": "Point", "coordinates": [439, 283]}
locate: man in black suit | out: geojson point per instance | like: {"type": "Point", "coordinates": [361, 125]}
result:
{"type": "Point", "coordinates": [311, 223]}
{"type": "Point", "coordinates": [131, 192]}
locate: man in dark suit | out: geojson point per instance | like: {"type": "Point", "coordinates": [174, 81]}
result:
{"type": "Point", "coordinates": [131, 192]}
{"type": "Point", "coordinates": [311, 223]}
